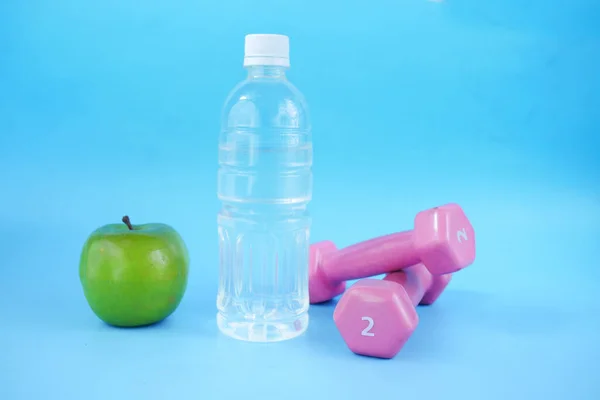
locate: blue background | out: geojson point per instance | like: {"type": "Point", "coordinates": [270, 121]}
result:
{"type": "Point", "coordinates": [112, 107]}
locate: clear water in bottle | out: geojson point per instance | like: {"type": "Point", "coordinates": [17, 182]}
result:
{"type": "Point", "coordinates": [264, 185]}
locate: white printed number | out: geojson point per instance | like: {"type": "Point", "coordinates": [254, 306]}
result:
{"type": "Point", "coordinates": [365, 332]}
{"type": "Point", "coordinates": [461, 235]}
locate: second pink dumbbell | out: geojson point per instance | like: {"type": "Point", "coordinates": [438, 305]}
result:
{"type": "Point", "coordinates": [443, 240]}
{"type": "Point", "coordinates": [376, 317]}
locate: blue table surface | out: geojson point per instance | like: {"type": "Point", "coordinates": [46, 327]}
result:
{"type": "Point", "coordinates": [111, 108]}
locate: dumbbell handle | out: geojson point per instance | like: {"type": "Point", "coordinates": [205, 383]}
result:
{"type": "Point", "coordinates": [416, 280]}
{"type": "Point", "coordinates": [372, 257]}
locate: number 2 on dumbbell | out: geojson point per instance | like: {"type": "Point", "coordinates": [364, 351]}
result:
{"type": "Point", "coordinates": [366, 331]}
{"type": "Point", "coordinates": [461, 234]}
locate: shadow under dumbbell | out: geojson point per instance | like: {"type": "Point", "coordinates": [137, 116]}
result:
{"type": "Point", "coordinates": [464, 323]}
{"type": "Point", "coordinates": [457, 324]}
{"type": "Point", "coordinates": [426, 343]}
{"type": "Point", "coordinates": [460, 324]}
{"type": "Point", "coordinates": [433, 339]}
{"type": "Point", "coordinates": [322, 333]}
{"type": "Point", "coordinates": [514, 316]}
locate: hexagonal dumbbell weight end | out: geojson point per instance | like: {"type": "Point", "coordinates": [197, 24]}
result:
{"type": "Point", "coordinates": [444, 239]}
{"type": "Point", "coordinates": [320, 288]}
{"type": "Point", "coordinates": [375, 318]}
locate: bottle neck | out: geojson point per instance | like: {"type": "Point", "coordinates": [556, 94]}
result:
{"type": "Point", "coordinates": [266, 72]}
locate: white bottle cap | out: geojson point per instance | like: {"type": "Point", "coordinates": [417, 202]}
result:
{"type": "Point", "coordinates": [267, 49]}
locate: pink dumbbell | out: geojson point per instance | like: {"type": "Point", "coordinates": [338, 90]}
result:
{"type": "Point", "coordinates": [377, 316]}
{"type": "Point", "coordinates": [443, 239]}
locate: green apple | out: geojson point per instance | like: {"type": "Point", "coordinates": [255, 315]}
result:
{"type": "Point", "coordinates": [134, 275]}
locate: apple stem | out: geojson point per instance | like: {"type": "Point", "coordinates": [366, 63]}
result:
{"type": "Point", "coordinates": [127, 222]}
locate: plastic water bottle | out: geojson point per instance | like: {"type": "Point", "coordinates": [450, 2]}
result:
{"type": "Point", "coordinates": [264, 185]}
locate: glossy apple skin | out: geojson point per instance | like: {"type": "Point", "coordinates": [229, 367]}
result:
{"type": "Point", "coordinates": [134, 277]}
